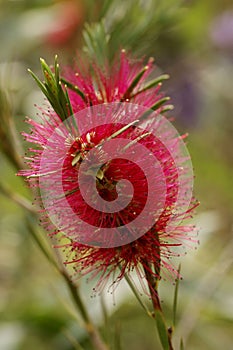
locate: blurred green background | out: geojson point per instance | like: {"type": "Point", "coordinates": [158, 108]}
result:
{"type": "Point", "coordinates": [193, 42]}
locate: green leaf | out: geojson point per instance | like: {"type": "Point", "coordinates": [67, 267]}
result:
{"type": "Point", "coordinates": [166, 108]}
{"type": "Point", "coordinates": [126, 23]}
{"type": "Point", "coordinates": [162, 329]}
{"type": "Point", "coordinates": [160, 103]}
{"type": "Point", "coordinates": [49, 77]}
{"type": "Point", "coordinates": [74, 88]}
{"type": "Point", "coordinates": [152, 84]}
{"type": "Point", "coordinates": [181, 344]}
{"type": "Point", "coordinates": [135, 292]}
{"type": "Point", "coordinates": [57, 70]}
{"type": "Point", "coordinates": [53, 90]}
{"type": "Point", "coordinates": [39, 83]}
{"type": "Point", "coordinates": [105, 7]}
{"type": "Point", "coordinates": [124, 128]}
{"type": "Point", "coordinates": [134, 83]}
{"type": "Point", "coordinates": [96, 42]}
{"type": "Point", "coordinates": [176, 296]}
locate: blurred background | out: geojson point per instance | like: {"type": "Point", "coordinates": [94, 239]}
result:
{"type": "Point", "coordinates": [192, 41]}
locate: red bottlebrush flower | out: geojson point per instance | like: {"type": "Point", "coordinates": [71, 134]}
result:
{"type": "Point", "coordinates": [121, 82]}
{"type": "Point", "coordinates": [115, 178]}
{"type": "Point", "coordinates": [68, 19]}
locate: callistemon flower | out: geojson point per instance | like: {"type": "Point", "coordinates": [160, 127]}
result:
{"type": "Point", "coordinates": [115, 177]}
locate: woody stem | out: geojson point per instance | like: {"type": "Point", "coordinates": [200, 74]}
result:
{"type": "Point", "coordinates": [152, 274]}
{"type": "Point", "coordinates": [89, 326]}
{"type": "Point", "coordinates": [152, 282]}
{"type": "Point", "coordinates": [92, 331]}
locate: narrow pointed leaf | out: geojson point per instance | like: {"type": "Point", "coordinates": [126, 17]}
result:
{"type": "Point", "coordinates": [124, 128]}
{"type": "Point", "coordinates": [153, 83]}
{"type": "Point", "coordinates": [53, 90]}
{"type": "Point", "coordinates": [39, 83]}
{"type": "Point", "coordinates": [135, 292]}
{"type": "Point", "coordinates": [105, 7]}
{"type": "Point", "coordinates": [162, 329]}
{"type": "Point", "coordinates": [74, 88]}
{"type": "Point", "coordinates": [167, 108]}
{"type": "Point", "coordinates": [57, 70]}
{"type": "Point", "coordinates": [96, 41]}
{"type": "Point", "coordinates": [160, 103]}
{"type": "Point", "coordinates": [68, 101]}
{"type": "Point", "coordinates": [49, 76]}
{"type": "Point", "coordinates": [176, 296]}
{"type": "Point", "coordinates": [134, 83]}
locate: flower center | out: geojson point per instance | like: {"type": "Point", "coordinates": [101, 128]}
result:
{"type": "Point", "coordinates": [105, 184]}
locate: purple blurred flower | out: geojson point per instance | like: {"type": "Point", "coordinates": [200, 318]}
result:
{"type": "Point", "coordinates": [221, 30]}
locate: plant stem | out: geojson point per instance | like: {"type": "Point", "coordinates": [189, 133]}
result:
{"type": "Point", "coordinates": [89, 326]}
{"type": "Point", "coordinates": [135, 292]}
{"type": "Point", "coordinates": [165, 333]}
{"type": "Point", "coordinates": [17, 198]}
{"type": "Point", "coordinates": [152, 282]}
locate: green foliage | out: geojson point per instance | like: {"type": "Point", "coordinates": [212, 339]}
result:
{"type": "Point", "coordinates": [153, 83]}
{"type": "Point", "coordinates": [53, 90]}
{"type": "Point", "coordinates": [175, 300]}
{"type": "Point", "coordinates": [9, 144]}
{"type": "Point", "coordinates": [96, 42]}
{"type": "Point", "coordinates": [5, 114]}
{"type": "Point", "coordinates": [46, 322]}
{"type": "Point", "coordinates": [128, 23]}
{"type": "Point", "coordinates": [162, 329]}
